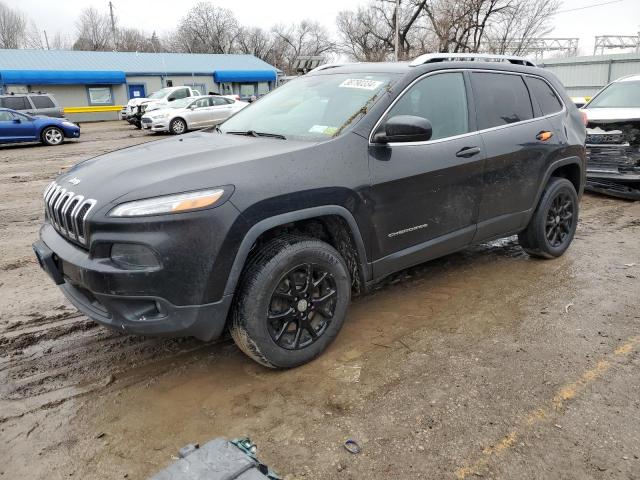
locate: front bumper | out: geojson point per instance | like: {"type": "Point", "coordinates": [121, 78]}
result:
{"type": "Point", "coordinates": [160, 125]}
{"type": "Point", "coordinates": [614, 169]}
{"type": "Point", "coordinates": [94, 286]}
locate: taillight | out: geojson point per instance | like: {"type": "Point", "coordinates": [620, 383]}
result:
{"type": "Point", "coordinates": [585, 119]}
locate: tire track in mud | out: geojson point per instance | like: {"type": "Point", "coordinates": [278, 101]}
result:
{"type": "Point", "coordinates": [49, 357]}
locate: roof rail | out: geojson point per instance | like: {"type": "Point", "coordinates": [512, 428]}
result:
{"type": "Point", "coordinates": [471, 57]}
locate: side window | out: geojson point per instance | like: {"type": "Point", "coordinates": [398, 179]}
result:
{"type": "Point", "coordinates": [500, 99]}
{"type": "Point", "coordinates": [5, 116]}
{"type": "Point", "coordinates": [202, 102]}
{"type": "Point", "coordinates": [178, 94]}
{"type": "Point", "coordinates": [544, 95]}
{"type": "Point", "coordinates": [42, 101]}
{"type": "Point", "coordinates": [440, 98]}
{"type": "Point", "coordinates": [16, 102]}
{"type": "Point", "coordinates": [218, 101]}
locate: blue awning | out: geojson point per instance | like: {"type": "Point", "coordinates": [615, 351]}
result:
{"type": "Point", "coordinates": [61, 77]}
{"type": "Point", "coordinates": [240, 76]}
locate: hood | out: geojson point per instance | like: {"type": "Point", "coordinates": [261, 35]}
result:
{"type": "Point", "coordinates": [134, 102]}
{"type": "Point", "coordinates": [163, 109]}
{"type": "Point", "coordinates": [612, 114]}
{"type": "Point", "coordinates": [194, 161]}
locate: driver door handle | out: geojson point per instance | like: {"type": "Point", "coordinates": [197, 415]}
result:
{"type": "Point", "coordinates": [467, 152]}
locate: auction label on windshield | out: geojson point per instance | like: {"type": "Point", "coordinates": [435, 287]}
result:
{"type": "Point", "coordinates": [362, 83]}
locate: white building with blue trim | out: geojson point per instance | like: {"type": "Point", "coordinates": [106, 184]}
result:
{"type": "Point", "coordinates": [94, 85]}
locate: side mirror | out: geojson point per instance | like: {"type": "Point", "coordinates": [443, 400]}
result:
{"type": "Point", "coordinates": [404, 128]}
{"type": "Point", "coordinates": [17, 120]}
{"type": "Point", "coordinates": [170, 99]}
{"type": "Point", "coordinates": [192, 107]}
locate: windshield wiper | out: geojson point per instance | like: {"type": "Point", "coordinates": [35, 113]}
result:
{"type": "Point", "coordinates": [253, 133]}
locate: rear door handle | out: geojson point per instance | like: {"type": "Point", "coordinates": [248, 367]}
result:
{"type": "Point", "coordinates": [467, 152]}
{"type": "Point", "coordinates": [544, 135]}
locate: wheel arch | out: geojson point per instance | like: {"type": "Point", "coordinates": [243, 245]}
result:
{"type": "Point", "coordinates": [178, 117]}
{"type": "Point", "coordinates": [44, 128]}
{"type": "Point", "coordinates": [571, 168]}
{"type": "Point", "coordinates": [321, 214]}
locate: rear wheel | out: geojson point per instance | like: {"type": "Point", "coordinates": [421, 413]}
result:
{"type": "Point", "coordinates": [291, 303]}
{"type": "Point", "coordinates": [554, 222]}
{"type": "Point", "coordinates": [178, 126]}
{"type": "Point", "coordinates": [52, 136]}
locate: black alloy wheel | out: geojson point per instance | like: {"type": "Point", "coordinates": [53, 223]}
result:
{"type": "Point", "coordinates": [553, 224]}
{"type": "Point", "coordinates": [559, 220]}
{"type": "Point", "coordinates": [302, 306]}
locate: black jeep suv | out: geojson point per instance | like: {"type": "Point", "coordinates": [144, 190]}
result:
{"type": "Point", "coordinates": [267, 224]}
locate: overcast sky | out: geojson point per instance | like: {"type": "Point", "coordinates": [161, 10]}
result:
{"type": "Point", "coordinates": [613, 17]}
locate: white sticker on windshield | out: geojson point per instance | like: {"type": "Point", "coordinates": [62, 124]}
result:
{"type": "Point", "coordinates": [318, 129]}
{"type": "Point", "coordinates": [360, 83]}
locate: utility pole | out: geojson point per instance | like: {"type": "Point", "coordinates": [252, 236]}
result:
{"type": "Point", "coordinates": [46, 40]}
{"type": "Point", "coordinates": [113, 27]}
{"type": "Point", "coordinates": [397, 42]}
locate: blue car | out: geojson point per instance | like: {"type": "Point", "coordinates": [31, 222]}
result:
{"type": "Point", "coordinates": [19, 127]}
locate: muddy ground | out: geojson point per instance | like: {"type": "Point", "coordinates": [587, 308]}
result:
{"type": "Point", "coordinates": [485, 363]}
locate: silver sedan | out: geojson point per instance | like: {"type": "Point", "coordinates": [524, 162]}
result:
{"type": "Point", "coordinates": [191, 113]}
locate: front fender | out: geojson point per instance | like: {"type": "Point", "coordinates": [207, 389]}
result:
{"type": "Point", "coordinates": [282, 219]}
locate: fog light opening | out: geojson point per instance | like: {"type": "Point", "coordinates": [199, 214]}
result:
{"type": "Point", "coordinates": [133, 256]}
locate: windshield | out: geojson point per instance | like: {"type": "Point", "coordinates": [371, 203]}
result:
{"type": "Point", "coordinates": [160, 93]}
{"type": "Point", "coordinates": [618, 95]}
{"type": "Point", "coordinates": [311, 107]}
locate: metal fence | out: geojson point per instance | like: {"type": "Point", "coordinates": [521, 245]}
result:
{"type": "Point", "coordinates": [584, 76]}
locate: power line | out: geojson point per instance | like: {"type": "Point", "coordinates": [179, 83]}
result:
{"type": "Point", "coordinates": [588, 6]}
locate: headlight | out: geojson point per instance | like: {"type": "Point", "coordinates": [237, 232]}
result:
{"type": "Point", "coordinates": [159, 116]}
{"type": "Point", "coordinates": [181, 202]}
{"type": "Point", "coordinates": [69, 124]}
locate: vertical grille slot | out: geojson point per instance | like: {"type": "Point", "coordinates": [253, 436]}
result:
{"type": "Point", "coordinates": [67, 212]}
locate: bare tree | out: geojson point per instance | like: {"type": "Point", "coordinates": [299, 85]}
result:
{"type": "Point", "coordinates": [205, 29]}
{"type": "Point", "coordinates": [254, 41]}
{"type": "Point", "coordinates": [60, 42]}
{"type": "Point", "coordinates": [520, 24]}
{"type": "Point", "coordinates": [94, 31]}
{"type": "Point", "coordinates": [444, 26]}
{"type": "Point", "coordinates": [361, 42]}
{"type": "Point", "coordinates": [307, 38]}
{"type": "Point", "coordinates": [369, 32]}
{"type": "Point", "coordinates": [12, 27]}
{"type": "Point", "coordinates": [134, 40]}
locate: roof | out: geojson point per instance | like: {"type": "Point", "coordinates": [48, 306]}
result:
{"type": "Point", "coordinates": [629, 78]}
{"type": "Point", "coordinates": [129, 62]}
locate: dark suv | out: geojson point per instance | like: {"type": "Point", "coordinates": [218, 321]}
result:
{"type": "Point", "coordinates": [32, 103]}
{"type": "Point", "coordinates": [267, 224]}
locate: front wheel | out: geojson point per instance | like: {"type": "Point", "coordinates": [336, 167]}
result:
{"type": "Point", "coordinates": [177, 126]}
{"type": "Point", "coordinates": [554, 222]}
{"type": "Point", "coordinates": [292, 302]}
{"type": "Point", "coordinates": [52, 136]}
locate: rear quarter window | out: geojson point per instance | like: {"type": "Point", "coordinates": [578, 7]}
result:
{"type": "Point", "coordinates": [501, 99]}
{"type": "Point", "coordinates": [42, 101]}
{"type": "Point", "coordinates": [544, 95]}
{"type": "Point", "coordinates": [15, 103]}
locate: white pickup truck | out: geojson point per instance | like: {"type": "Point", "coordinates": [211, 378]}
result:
{"type": "Point", "coordinates": [136, 107]}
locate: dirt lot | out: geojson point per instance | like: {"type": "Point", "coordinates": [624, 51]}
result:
{"type": "Point", "coordinates": [483, 364]}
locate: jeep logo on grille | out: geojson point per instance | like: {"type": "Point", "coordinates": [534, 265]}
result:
{"type": "Point", "coordinates": [74, 181]}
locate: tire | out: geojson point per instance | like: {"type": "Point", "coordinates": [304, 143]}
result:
{"type": "Point", "coordinates": [553, 224]}
{"type": "Point", "coordinates": [52, 136]}
{"type": "Point", "coordinates": [280, 326]}
{"type": "Point", "coordinates": [178, 126]}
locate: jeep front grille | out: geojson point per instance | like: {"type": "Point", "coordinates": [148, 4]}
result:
{"type": "Point", "coordinates": [67, 212]}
